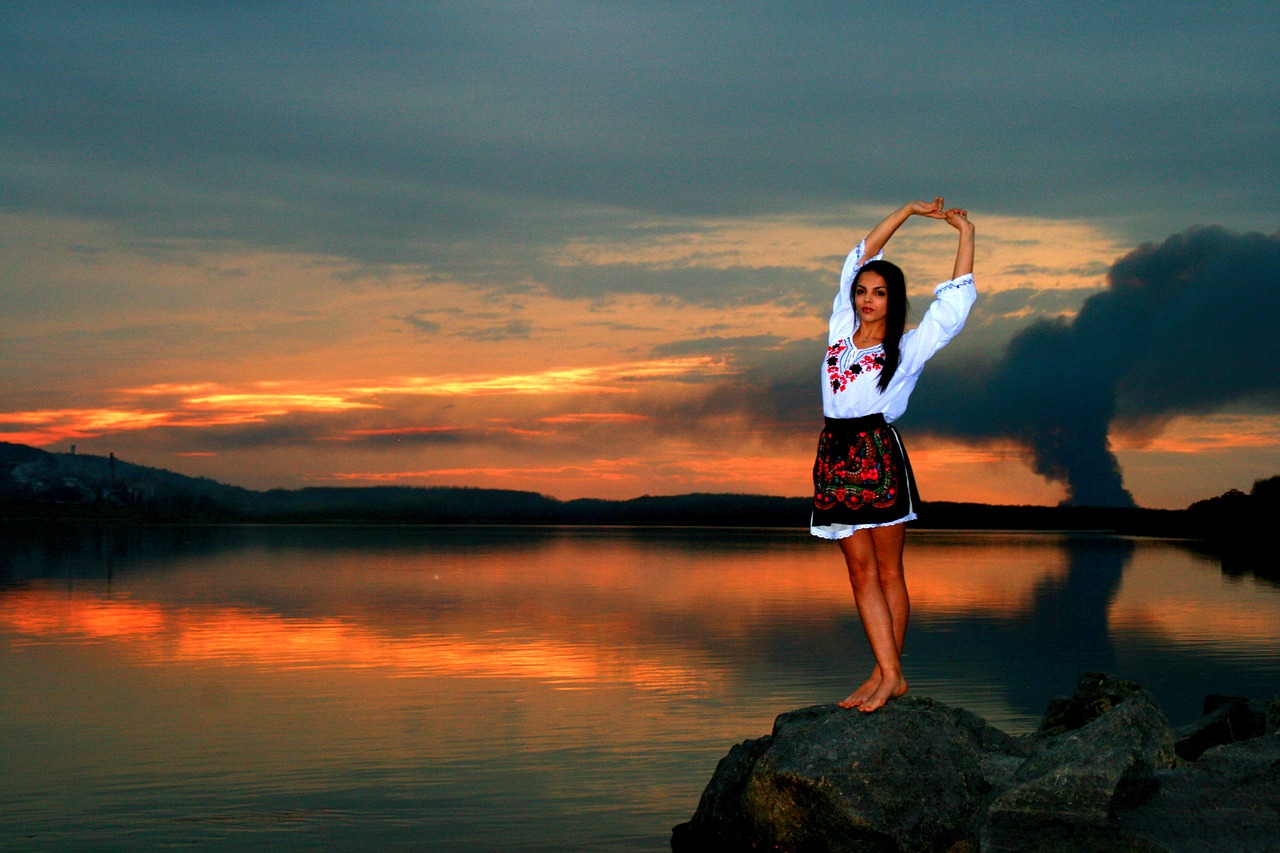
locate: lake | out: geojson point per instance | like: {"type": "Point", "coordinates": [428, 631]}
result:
{"type": "Point", "coordinates": [526, 688]}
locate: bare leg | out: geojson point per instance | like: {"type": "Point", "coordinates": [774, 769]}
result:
{"type": "Point", "coordinates": [874, 558]}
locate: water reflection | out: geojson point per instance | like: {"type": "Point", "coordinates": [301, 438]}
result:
{"type": "Point", "coordinates": [1064, 630]}
{"type": "Point", "coordinates": [397, 685]}
{"type": "Point", "coordinates": [670, 609]}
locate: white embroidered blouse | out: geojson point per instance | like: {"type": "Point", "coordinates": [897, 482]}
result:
{"type": "Point", "coordinates": [850, 376]}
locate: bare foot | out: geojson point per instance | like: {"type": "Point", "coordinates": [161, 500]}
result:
{"type": "Point", "coordinates": [863, 693]}
{"type": "Point", "coordinates": [888, 689]}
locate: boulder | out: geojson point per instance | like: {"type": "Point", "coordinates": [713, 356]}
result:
{"type": "Point", "coordinates": [1252, 767]}
{"type": "Point", "coordinates": [908, 777]}
{"type": "Point", "coordinates": [1100, 774]}
{"type": "Point", "coordinates": [1096, 694]}
{"type": "Point", "coordinates": [1066, 795]}
{"type": "Point", "coordinates": [1227, 719]}
{"type": "Point", "coordinates": [719, 824]}
{"type": "Point", "coordinates": [1270, 711]}
{"type": "Point", "coordinates": [1227, 801]}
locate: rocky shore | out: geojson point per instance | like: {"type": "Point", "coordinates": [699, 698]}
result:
{"type": "Point", "coordinates": [1104, 772]}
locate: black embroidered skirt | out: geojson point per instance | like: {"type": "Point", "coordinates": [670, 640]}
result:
{"type": "Point", "coordinates": [861, 478]}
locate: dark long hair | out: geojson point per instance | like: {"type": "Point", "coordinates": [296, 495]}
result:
{"type": "Point", "coordinates": [895, 321]}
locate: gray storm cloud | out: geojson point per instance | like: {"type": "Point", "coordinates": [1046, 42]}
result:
{"type": "Point", "coordinates": [469, 137]}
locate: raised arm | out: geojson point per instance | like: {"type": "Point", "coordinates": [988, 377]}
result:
{"type": "Point", "coordinates": [949, 310]}
{"type": "Point", "coordinates": [959, 219]}
{"type": "Point", "coordinates": [880, 235]}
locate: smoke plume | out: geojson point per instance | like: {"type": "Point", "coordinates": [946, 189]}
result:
{"type": "Point", "coordinates": [1185, 326]}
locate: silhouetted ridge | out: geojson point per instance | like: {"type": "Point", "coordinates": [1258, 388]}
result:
{"type": "Point", "coordinates": [436, 505]}
{"type": "Point", "coordinates": [38, 484]}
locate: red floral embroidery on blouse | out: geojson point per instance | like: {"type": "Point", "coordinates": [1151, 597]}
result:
{"type": "Point", "coordinates": [840, 379]}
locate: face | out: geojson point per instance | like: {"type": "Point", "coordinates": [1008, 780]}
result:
{"type": "Point", "coordinates": [871, 297]}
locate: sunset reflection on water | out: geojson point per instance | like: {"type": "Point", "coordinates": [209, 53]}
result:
{"type": "Point", "coordinates": [392, 684]}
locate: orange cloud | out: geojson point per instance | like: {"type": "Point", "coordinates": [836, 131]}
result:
{"type": "Point", "coordinates": [170, 389]}
{"type": "Point", "coordinates": [605, 379]}
{"type": "Point", "coordinates": [409, 432]}
{"type": "Point", "coordinates": [54, 425]}
{"type": "Point", "coordinates": [1205, 433]}
{"type": "Point", "coordinates": [206, 404]}
{"type": "Point", "coordinates": [594, 418]}
{"type": "Point", "coordinates": [266, 405]}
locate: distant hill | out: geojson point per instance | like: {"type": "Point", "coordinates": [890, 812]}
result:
{"type": "Point", "coordinates": [35, 484]}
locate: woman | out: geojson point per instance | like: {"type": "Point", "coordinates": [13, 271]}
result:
{"type": "Point", "coordinates": [864, 492]}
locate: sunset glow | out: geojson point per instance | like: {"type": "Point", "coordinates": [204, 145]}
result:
{"type": "Point", "coordinates": [1197, 611]}
{"type": "Point", "coordinates": [150, 633]}
{"type": "Point", "coordinates": [994, 577]}
{"type": "Point", "coordinates": [615, 280]}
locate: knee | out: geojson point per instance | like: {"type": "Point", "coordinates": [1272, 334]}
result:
{"type": "Point", "coordinates": [889, 570]}
{"type": "Point", "coordinates": [860, 557]}
{"type": "Point", "coordinates": [863, 570]}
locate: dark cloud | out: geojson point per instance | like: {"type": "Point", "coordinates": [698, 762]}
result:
{"type": "Point", "coordinates": [467, 136]}
{"type": "Point", "coordinates": [694, 285]}
{"type": "Point", "coordinates": [409, 437]}
{"type": "Point", "coordinates": [1185, 326]}
{"type": "Point", "coordinates": [508, 330]}
{"type": "Point", "coordinates": [1040, 271]}
{"type": "Point", "coordinates": [716, 345]}
{"type": "Point", "coordinates": [298, 430]}
{"type": "Point", "coordinates": [777, 388]}
{"type": "Point", "coordinates": [422, 325]}
{"type": "Point", "coordinates": [306, 431]}
{"type": "Point", "coordinates": [1023, 300]}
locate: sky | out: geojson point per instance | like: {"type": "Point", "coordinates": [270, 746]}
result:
{"type": "Point", "coordinates": [588, 249]}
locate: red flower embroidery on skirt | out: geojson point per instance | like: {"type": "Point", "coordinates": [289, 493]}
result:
{"type": "Point", "coordinates": [856, 470]}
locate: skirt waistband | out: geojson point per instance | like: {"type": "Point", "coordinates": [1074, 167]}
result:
{"type": "Point", "coordinates": [848, 424]}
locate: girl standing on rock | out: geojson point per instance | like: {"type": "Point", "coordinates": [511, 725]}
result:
{"type": "Point", "coordinates": [864, 492]}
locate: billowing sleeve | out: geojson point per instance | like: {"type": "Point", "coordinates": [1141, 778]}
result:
{"type": "Point", "coordinates": [942, 322]}
{"type": "Point", "coordinates": [843, 320]}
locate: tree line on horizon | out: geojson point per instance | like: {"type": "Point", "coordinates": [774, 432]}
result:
{"type": "Point", "coordinates": [36, 484]}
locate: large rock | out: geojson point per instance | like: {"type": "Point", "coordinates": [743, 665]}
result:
{"type": "Point", "coordinates": [1226, 719]}
{"type": "Point", "coordinates": [1096, 694]}
{"type": "Point", "coordinates": [1270, 711]}
{"type": "Point", "coordinates": [1252, 767]}
{"type": "Point", "coordinates": [908, 777]}
{"type": "Point", "coordinates": [1068, 793]}
{"type": "Point", "coordinates": [1227, 801]}
{"type": "Point", "coordinates": [719, 823]}
{"type": "Point", "coordinates": [1101, 774]}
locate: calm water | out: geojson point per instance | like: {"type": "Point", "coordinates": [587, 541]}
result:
{"type": "Point", "coordinates": [469, 689]}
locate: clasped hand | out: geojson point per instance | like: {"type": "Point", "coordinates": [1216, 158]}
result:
{"type": "Point", "coordinates": [956, 217]}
